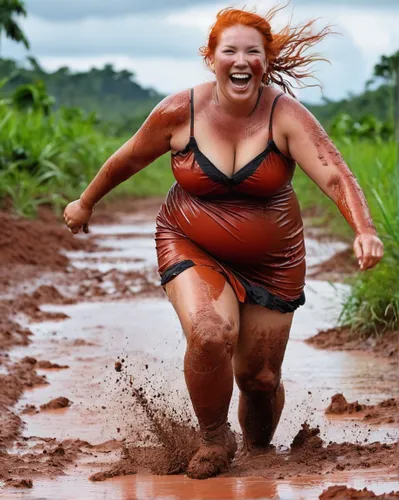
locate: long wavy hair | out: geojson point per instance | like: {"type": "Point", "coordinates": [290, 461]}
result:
{"type": "Point", "coordinates": [284, 50]}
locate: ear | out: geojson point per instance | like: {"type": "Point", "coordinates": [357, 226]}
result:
{"type": "Point", "coordinates": [211, 63]}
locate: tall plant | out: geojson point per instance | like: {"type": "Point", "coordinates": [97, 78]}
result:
{"type": "Point", "coordinates": [9, 9]}
{"type": "Point", "coordinates": [388, 69]}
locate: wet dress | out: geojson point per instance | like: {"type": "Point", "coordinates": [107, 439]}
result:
{"type": "Point", "coordinates": [246, 226]}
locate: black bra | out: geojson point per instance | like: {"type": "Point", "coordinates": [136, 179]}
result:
{"type": "Point", "coordinates": [247, 170]}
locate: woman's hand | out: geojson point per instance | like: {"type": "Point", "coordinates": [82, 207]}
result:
{"type": "Point", "coordinates": [368, 249]}
{"type": "Point", "coordinates": [77, 216]}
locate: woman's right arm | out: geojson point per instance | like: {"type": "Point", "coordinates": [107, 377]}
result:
{"type": "Point", "coordinates": [150, 142]}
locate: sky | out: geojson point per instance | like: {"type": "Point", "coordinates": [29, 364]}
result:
{"type": "Point", "coordinates": [159, 39]}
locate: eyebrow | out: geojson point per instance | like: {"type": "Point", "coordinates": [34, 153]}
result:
{"type": "Point", "coordinates": [248, 48]}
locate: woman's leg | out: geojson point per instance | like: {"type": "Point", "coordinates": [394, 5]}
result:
{"type": "Point", "coordinates": [209, 314]}
{"type": "Point", "coordinates": [257, 368]}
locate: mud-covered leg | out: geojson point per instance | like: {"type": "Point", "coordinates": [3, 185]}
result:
{"type": "Point", "coordinates": [209, 314]}
{"type": "Point", "coordinates": [257, 367]}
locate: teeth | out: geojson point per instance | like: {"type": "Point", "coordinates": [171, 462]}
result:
{"type": "Point", "coordinates": [240, 75]}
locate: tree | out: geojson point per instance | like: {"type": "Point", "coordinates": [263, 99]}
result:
{"type": "Point", "coordinates": [9, 9]}
{"type": "Point", "coordinates": [388, 69]}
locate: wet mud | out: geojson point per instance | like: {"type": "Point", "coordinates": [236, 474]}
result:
{"type": "Point", "coordinates": [91, 401]}
{"type": "Point", "coordinates": [345, 493]}
{"type": "Point", "coordinates": [385, 412]}
{"type": "Point", "coordinates": [343, 338]}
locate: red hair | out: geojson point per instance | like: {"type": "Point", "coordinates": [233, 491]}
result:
{"type": "Point", "coordinates": [284, 50]}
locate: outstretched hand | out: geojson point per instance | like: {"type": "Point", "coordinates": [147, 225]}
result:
{"type": "Point", "coordinates": [77, 216]}
{"type": "Point", "coordinates": [368, 249]}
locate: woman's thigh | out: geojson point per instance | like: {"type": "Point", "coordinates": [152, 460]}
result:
{"type": "Point", "coordinates": [261, 345]}
{"type": "Point", "coordinates": [204, 301]}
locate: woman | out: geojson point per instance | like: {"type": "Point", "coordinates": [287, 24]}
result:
{"type": "Point", "coordinates": [229, 235]}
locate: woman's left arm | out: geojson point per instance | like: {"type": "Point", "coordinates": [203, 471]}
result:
{"type": "Point", "coordinates": [309, 145]}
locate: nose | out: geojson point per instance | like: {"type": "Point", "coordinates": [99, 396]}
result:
{"type": "Point", "coordinates": [241, 60]}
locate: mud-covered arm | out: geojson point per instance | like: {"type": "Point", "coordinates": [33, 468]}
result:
{"type": "Point", "coordinates": [150, 142]}
{"type": "Point", "coordinates": [310, 146]}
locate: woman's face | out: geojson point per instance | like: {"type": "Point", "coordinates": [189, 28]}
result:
{"type": "Point", "coordinates": [239, 62]}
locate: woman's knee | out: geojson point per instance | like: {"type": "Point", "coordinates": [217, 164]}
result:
{"type": "Point", "coordinates": [265, 380]}
{"type": "Point", "coordinates": [210, 332]}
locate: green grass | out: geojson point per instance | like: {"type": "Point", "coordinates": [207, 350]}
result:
{"type": "Point", "coordinates": [373, 304]}
{"type": "Point", "coordinates": [51, 159]}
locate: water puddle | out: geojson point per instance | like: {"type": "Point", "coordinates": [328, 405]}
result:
{"type": "Point", "coordinates": [181, 488]}
{"type": "Point", "coordinates": [145, 335]}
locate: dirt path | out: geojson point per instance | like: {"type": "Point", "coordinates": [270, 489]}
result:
{"type": "Point", "coordinates": [93, 367]}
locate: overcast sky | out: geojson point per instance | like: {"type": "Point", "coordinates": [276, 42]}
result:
{"type": "Point", "coordinates": [159, 39]}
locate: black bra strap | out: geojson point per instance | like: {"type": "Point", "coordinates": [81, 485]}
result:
{"type": "Point", "coordinates": [192, 113]}
{"type": "Point", "coordinates": [271, 116]}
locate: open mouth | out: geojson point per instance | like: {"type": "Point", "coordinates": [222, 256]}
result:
{"type": "Point", "coordinates": [240, 79]}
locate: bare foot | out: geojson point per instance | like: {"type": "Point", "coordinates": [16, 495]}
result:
{"type": "Point", "coordinates": [212, 458]}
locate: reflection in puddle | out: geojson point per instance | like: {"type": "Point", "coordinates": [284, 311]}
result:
{"type": "Point", "coordinates": [181, 488]}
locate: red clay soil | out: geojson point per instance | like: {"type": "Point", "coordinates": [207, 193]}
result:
{"type": "Point", "coordinates": [343, 339]}
{"type": "Point", "coordinates": [385, 412]}
{"type": "Point", "coordinates": [36, 242]}
{"type": "Point", "coordinates": [56, 404]}
{"type": "Point", "coordinates": [21, 376]}
{"type": "Point", "coordinates": [44, 457]}
{"type": "Point", "coordinates": [344, 493]}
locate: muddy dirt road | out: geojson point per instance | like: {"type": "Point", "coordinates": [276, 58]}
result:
{"type": "Point", "coordinates": [93, 386]}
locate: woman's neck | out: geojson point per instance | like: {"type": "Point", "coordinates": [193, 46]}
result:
{"type": "Point", "coordinates": [239, 110]}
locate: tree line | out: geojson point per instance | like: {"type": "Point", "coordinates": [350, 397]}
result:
{"type": "Point", "coordinates": [121, 104]}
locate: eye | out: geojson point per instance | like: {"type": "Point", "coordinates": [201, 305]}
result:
{"type": "Point", "coordinates": [254, 51]}
{"type": "Point", "coordinates": [228, 51]}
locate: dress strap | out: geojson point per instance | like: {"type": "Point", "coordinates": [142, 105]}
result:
{"type": "Point", "coordinates": [271, 116]}
{"type": "Point", "coordinates": [192, 112]}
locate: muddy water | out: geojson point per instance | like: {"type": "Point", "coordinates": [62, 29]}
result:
{"type": "Point", "coordinates": [146, 335]}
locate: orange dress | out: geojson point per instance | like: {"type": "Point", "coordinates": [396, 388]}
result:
{"type": "Point", "coordinates": [246, 226]}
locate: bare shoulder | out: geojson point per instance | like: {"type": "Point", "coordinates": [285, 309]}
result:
{"type": "Point", "coordinates": [292, 115]}
{"type": "Point", "coordinates": [173, 110]}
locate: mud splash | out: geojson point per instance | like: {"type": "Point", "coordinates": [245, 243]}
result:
{"type": "Point", "coordinates": [308, 454]}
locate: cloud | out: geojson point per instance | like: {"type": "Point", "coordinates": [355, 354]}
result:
{"type": "Point", "coordinates": [61, 10]}
{"type": "Point", "coordinates": [384, 4]}
{"type": "Point", "coordinates": [131, 36]}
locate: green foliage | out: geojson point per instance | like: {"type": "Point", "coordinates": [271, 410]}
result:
{"type": "Point", "coordinates": [120, 102]}
{"type": "Point", "coordinates": [347, 129]}
{"type": "Point", "coordinates": [373, 304]}
{"type": "Point", "coordinates": [377, 103]}
{"type": "Point", "coordinates": [9, 9]}
{"type": "Point", "coordinates": [387, 66]}
{"type": "Point", "coordinates": [32, 96]}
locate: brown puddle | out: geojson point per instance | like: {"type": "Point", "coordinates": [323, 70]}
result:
{"type": "Point", "coordinates": [144, 337]}
{"type": "Point", "coordinates": [142, 487]}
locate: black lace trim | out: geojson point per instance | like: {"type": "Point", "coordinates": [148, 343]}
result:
{"type": "Point", "coordinates": [218, 176]}
{"type": "Point", "coordinates": [256, 294]}
{"type": "Point", "coordinates": [174, 270]}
